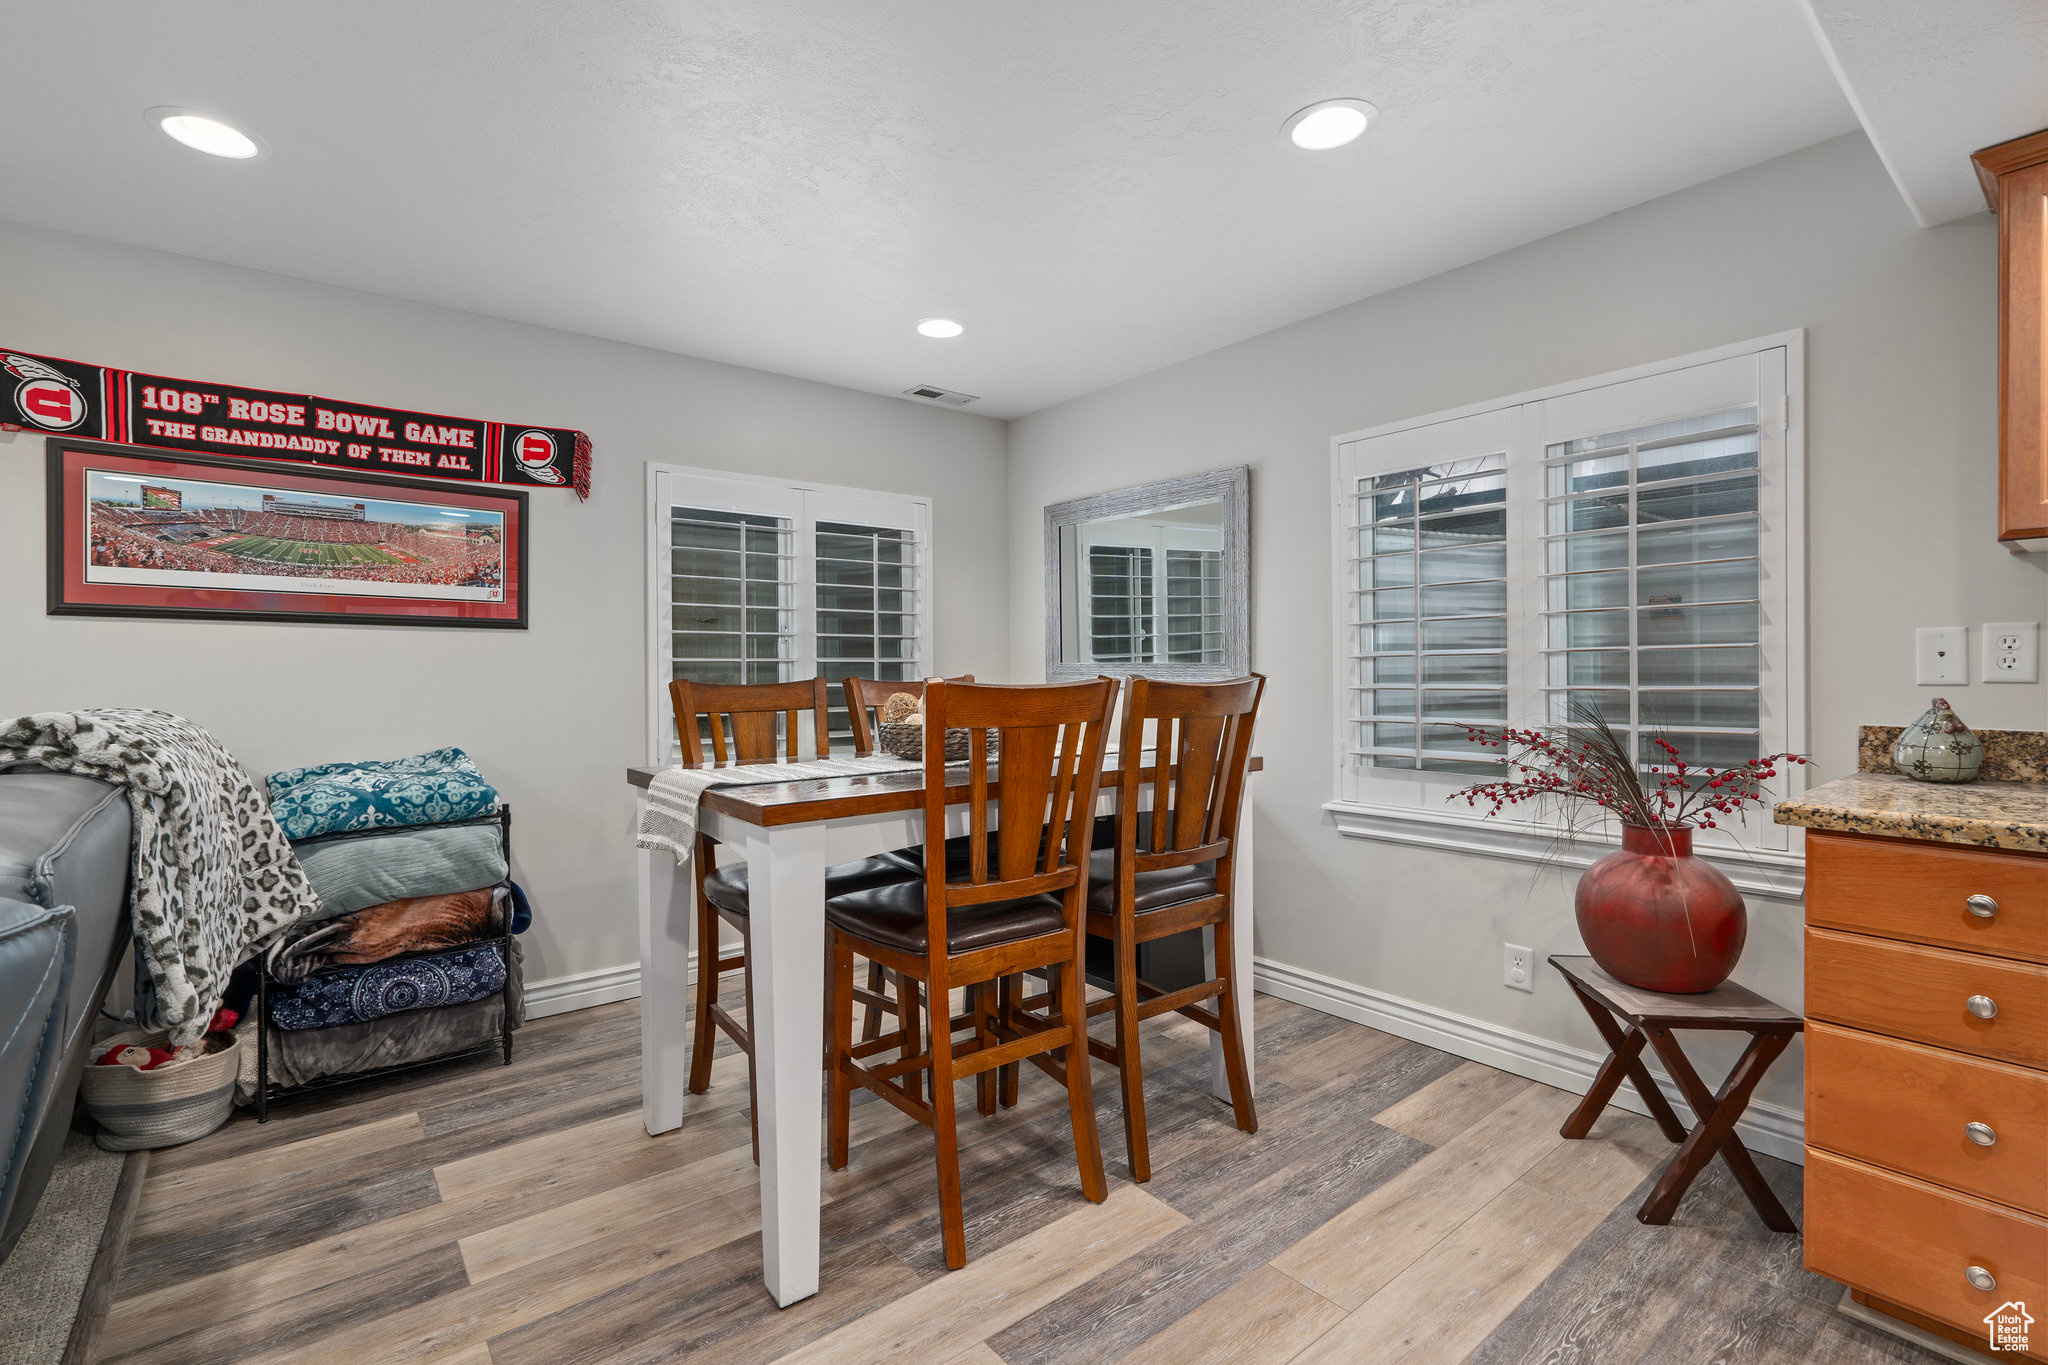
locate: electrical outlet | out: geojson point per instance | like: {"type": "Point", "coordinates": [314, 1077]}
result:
{"type": "Point", "coordinates": [1940, 656]}
{"type": "Point", "coordinates": [2012, 651]}
{"type": "Point", "coordinates": [1517, 968]}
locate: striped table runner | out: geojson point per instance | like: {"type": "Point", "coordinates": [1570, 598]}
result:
{"type": "Point", "coordinates": [670, 819]}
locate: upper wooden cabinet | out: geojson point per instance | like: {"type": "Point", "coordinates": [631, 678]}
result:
{"type": "Point", "coordinates": [2015, 179]}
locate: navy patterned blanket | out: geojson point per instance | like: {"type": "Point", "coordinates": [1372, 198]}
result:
{"type": "Point", "coordinates": [356, 995]}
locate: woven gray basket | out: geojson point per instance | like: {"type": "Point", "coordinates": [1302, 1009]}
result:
{"type": "Point", "coordinates": [907, 741]}
{"type": "Point", "coordinates": [160, 1108]}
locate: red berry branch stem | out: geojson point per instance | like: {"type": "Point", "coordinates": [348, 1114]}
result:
{"type": "Point", "coordinates": [1588, 764]}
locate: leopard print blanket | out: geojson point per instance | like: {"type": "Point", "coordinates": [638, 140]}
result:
{"type": "Point", "coordinates": [215, 878]}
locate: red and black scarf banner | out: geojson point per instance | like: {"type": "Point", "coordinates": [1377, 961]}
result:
{"type": "Point", "coordinates": [41, 393]}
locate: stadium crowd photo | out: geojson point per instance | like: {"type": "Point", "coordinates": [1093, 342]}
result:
{"type": "Point", "coordinates": [290, 539]}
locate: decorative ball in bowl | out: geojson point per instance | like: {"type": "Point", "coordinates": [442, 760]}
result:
{"type": "Point", "coordinates": [906, 740]}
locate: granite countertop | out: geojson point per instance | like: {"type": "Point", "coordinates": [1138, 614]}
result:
{"type": "Point", "coordinates": [1991, 814]}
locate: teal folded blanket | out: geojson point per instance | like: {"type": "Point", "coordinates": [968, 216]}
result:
{"type": "Point", "coordinates": [426, 789]}
{"type": "Point", "coordinates": [364, 870]}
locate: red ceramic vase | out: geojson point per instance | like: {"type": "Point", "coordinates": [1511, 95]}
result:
{"type": "Point", "coordinates": [1656, 917]}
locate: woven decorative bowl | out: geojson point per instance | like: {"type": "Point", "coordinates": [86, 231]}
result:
{"type": "Point", "coordinates": [907, 741]}
{"type": "Point", "coordinates": [160, 1108]}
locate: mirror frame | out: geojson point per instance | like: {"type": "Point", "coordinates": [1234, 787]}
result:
{"type": "Point", "coordinates": [1233, 488]}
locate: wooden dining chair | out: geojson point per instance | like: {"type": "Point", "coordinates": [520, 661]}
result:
{"type": "Point", "coordinates": [1170, 871]}
{"type": "Point", "coordinates": [864, 695]}
{"type": "Point", "coordinates": [751, 723]}
{"type": "Point", "coordinates": [1018, 905]}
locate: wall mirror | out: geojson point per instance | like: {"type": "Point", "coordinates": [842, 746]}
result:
{"type": "Point", "coordinates": [1154, 580]}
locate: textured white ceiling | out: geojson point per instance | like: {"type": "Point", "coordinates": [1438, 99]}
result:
{"type": "Point", "coordinates": [1098, 187]}
{"type": "Point", "coordinates": [1935, 80]}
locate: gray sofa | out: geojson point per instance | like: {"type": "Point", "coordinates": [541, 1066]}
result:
{"type": "Point", "coordinates": [64, 882]}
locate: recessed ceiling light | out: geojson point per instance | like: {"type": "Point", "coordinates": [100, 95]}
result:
{"type": "Point", "coordinates": [939, 327]}
{"type": "Point", "coordinates": [203, 133]}
{"type": "Point", "coordinates": [1332, 123]}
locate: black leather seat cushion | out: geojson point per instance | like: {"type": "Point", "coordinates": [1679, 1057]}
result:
{"type": "Point", "coordinates": [727, 887]}
{"type": "Point", "coordinates": [912, 859]}
{"type": "Point", "coordinates": [893, 916]}
{"type": "Point", "coordinates": [1156, 890]}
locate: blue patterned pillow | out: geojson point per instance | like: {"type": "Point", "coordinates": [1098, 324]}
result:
{"type": "Point", "coordinates": [356, 995]}
{"type": "Point", "coordinates": [426, 789]}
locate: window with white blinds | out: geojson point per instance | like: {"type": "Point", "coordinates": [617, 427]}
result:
{"type": "Point", "coordinates": [1194, 606]}
{"type": "Point", "coordinates": [1632, 545]}
{"type": "Point", "coordinates": [1432, 611]}
{"type": "Point", "coordinates": [732, 585]}
{"type": "Point", "coordinates": [1153, 603]}
{"type": "Point", "coordinates": [759, 581]}
{"type": "Point", "coordinates": [868, 623]}
{"type": "Point", "coordinates": [1120, 603]}
{"type": "Point", "coordinates": [1652, 570]}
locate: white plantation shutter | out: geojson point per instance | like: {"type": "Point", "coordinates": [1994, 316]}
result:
{"type": "Point", "coordinates": [757, 581]}
{"type": "Point", "coordinates": [1432, 608]}
{"type": "Point", "coordinates": [733, 585]}
{"type": "Point", "coordinates": [1194, 606]}
{"type": "Point", "coordinates": [1426, 597]}
{"type": "Point", "coordinates": [870, 591]}
{"type": "Point", "coordinates": [1629, 547]}
{"type": "Point", "coordinates": [1154, 593]}
{"type": "Point", "coordinates": [1651, 583]}
{"type": "Point", "coordinates": [1120, 604]}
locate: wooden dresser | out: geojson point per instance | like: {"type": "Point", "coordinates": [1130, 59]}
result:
{"type": "Point", "coordinates": [1927, 1051]}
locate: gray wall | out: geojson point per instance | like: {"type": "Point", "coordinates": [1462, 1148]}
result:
{"type": "Point", "coordinates": [553, 714]}
{"type": "Point", "coordinates": [1901, 434]}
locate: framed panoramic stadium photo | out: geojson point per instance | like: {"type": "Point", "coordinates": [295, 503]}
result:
{"type": "Point", "coordinates": [136, 532]}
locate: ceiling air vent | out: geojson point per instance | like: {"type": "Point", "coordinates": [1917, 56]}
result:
{"type": "Point", "coordinates": [931, 393]}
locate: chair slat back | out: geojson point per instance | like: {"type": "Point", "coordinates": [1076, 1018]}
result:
{"type": "Point", "coordinates": [1202, 738]}
{"type": "Point", "coordinates": [869, 694]}
{"type": "Point", "coordinates": [751, 711]}
{"type": "Point", "coordinates": [1049, 766]}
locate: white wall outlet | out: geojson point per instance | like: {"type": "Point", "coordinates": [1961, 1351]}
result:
{"type": "Point", "coordinates": [1941, 656]}
{"type": "Point", "coordinates": [2012, 651]}
{"type": "Point", "coordinates": [1517, 968]}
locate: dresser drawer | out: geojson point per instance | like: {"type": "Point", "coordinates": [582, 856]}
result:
{"type": "Point", "coordinates": [1913, 1243]}
{"type": "Point", "coordinates": [1906, 991]}
{"type": "Point", "coordinates": [1908, 1108]}
{"type": "Point", "coordinates": [1921, 893]}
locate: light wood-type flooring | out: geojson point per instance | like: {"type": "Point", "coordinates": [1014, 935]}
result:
{"type": "Point", "coordinates": [1397, 1204]}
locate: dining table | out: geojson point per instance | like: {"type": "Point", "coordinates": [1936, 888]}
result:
{"type": "Point", "coordinates": [788, 833]}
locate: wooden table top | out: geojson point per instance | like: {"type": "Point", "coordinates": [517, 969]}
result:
{"type": "Point", "coordinates": [1726, 1006]}
{"type": "Point", "coordinates": [828, 798]}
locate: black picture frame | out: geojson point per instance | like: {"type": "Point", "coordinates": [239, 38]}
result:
{"type": "Point", "coordinates": [65, 556]}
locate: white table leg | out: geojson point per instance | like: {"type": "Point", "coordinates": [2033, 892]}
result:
{"type": "Point", "coordinates": [1240, 965]}
{"type": "Point", "coordinates": [665, 927]}
{"type": "Point", "coordinates": [786, 875]}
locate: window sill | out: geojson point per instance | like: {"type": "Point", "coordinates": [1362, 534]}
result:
{"type": "Point", "coordinates": [1769, 873]}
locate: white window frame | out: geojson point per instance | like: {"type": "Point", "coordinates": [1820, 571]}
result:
{"type": "Point", "coordinates": [1159, 538]}
{"type": "Point", "coordinates": [1396, 806]}
{"type": "Point", "coordinates": [806, 504]}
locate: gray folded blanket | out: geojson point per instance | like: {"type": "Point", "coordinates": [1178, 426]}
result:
{"type": "Point", "coordinates": [357, 871]}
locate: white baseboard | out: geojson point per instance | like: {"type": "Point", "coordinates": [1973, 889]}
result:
{"type": "Point", "coordinates": [1768, 1128]}
{"type": "Point", "coordinates": [582, 990]}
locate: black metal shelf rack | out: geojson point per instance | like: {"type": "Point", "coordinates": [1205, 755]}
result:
{"type": "Point", "coordinates": [267, 1093]}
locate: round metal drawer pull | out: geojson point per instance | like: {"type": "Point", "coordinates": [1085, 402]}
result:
{"type": "Point", "coordinates": [1981, 1134]}
{"type": "Point", "coordinates": [1983, 1006]}
{"type": "Point", "coordinates": [1983, 907]}
{"type": "Point", "coordinates": [1980, 1278]}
